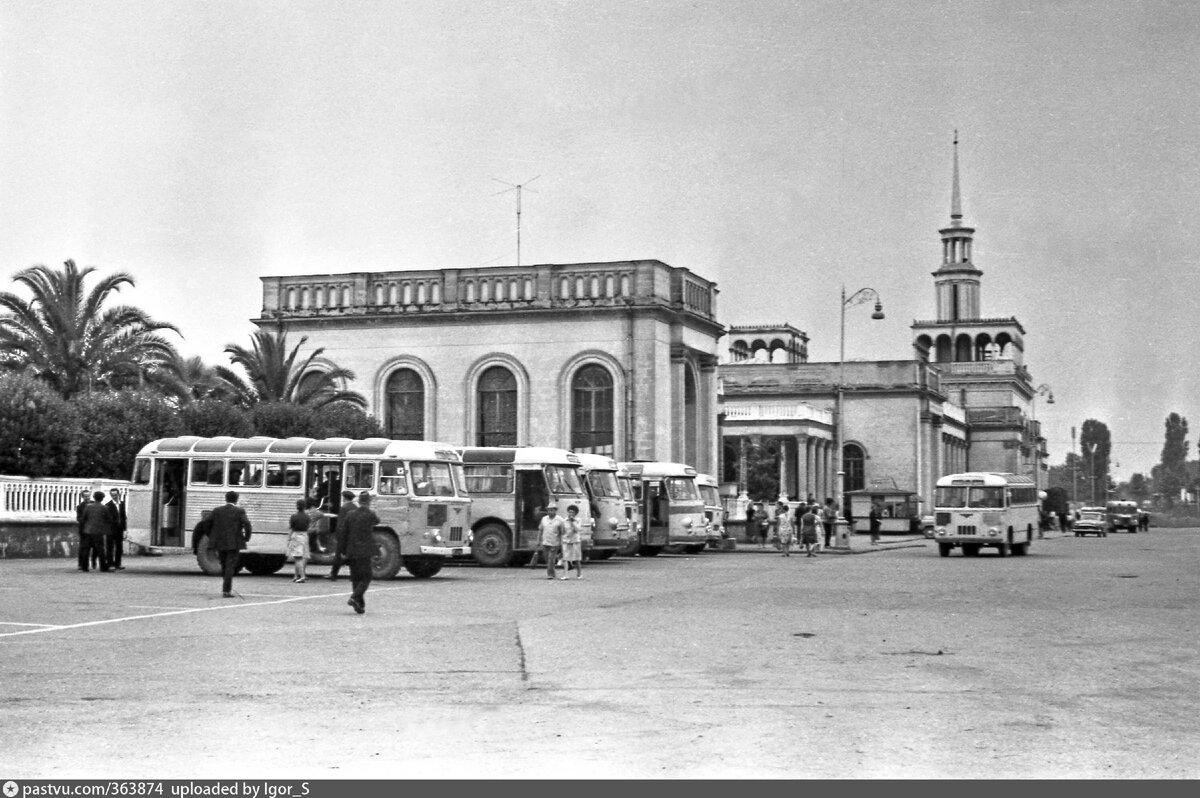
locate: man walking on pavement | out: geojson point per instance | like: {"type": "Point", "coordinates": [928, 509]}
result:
{"type": "Point", "coordinates": [229, 531]}
{"type": "Point", "coordinates": [339, 533]}
{"type": "Point", "coordinates": [359, 549]}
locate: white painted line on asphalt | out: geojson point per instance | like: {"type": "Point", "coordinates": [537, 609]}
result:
{"type": "Point", "coordinates": [229, 606]}
{"type": "Point", "coordinates": [14, 623]}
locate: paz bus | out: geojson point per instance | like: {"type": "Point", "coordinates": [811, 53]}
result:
{"type": "Point", "coordinates": [671, 507]}
{"type": "Point", "coordinates": [509, 489]}
{"type": "Point", "coordinates": [612, 517]}
{"type": "Point", "coordinates": [417, 490]}
{"type": "Point", "coordinates": [714, 510]}
{"type": "Point", "coordinates": [978, 509]}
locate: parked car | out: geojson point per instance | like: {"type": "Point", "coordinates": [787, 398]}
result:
{"type": "Point", "coordinates": [1091, 521]}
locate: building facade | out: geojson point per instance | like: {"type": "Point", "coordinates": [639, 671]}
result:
{"type": "Point", "coordinates": [616, 358]}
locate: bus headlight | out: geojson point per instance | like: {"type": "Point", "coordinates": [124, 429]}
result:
{"type": "Point", "coordinates": [687, 523]}
{"type": "Point", "coordinates": [993, 531]}
{"type": "Point", "coordinates": [434, 535]}
{"type": "Point", "coordinates": [940, 531]}
{"type": "Point", "coordinates": [612, 523]}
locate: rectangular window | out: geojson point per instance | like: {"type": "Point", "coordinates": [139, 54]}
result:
{"type": "Point", "coordinates": [283, 475]}
{"type": "Point", "coordinates": [360, 476]}
{"type": "Point", "coordinates": [432, 479]}
{"type": "Point", "coordinates": [245, 473]}
{"type": "Point", "coordinates": [489, 478]}
{"type": "Point", "coordinates": [141, 471]}
{"type": "Point", "coordinates": [207, 472]}
{"type": "Point", "coordinates": [393, 480]}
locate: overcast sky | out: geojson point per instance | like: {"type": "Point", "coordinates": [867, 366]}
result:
{"type": "Point", "coordinates": [782, 149]}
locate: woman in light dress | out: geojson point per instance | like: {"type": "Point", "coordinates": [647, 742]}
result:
{"type": "Point", "coordinates": [297, 546]}
{"type": "Point", "coordinates": [786, 529]}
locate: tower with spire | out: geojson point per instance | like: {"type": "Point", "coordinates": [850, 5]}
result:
{"type": "Point", "coordinates": [981, 359]}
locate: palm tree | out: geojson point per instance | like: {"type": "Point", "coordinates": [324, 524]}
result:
{"type": "Point", "coordinates": [276, 376]}
{"type": "Point", "coordinates": [65, 336]}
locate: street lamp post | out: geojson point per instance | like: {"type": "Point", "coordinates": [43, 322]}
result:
{"type": "Point", "coordinates": [1091, 453]}
{"type": "Point", "coordinates": [1041, 390]}
{"type": "Point", "coordinates": [857, 298]}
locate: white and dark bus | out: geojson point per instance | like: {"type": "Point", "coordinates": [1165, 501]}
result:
{"type": "Point", "coordinates": [416, 487]}
{"type": "Point", "coordinates": [979, 510]}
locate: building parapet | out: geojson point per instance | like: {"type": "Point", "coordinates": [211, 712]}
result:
{"type": "Point", "coordinates": [792, 411]}
{"type": "Point", "coordinates": [25, 498]}
{"type": "Point", "coordinates": [995, 417]}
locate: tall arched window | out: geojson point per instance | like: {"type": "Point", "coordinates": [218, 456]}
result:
{"type": "Point", "coordinates": [405, 406]}
{"type": "Point", "coordinates": [592, 411]}
{"type": "Point", "coordinates": [853, 464]}
{"type": "Point", "coordinates": [497, 408]}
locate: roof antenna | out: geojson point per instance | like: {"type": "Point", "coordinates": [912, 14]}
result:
{"type": "Point", "coordinates": [518, 187]}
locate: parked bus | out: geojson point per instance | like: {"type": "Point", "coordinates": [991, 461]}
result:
{"type": "Point", "coordinates": [612, 529]}
{"type": "Point", "coordinates": [672, 510]}
{"type": "Point", "coordinates": [1121, 515]}
{"type": "Point", "coordinates": [714, 510]}
{"type": "Point", "coordinates": [980, 509]}
{"type": "Point", "coordinates": [510, 488]}
{"type": "Point", "coordinates": [633, 512]}
{"type": "Point", "coordinates": [417, 490]}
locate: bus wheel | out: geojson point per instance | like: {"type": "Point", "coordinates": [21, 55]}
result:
{"type": "Point", "coordinates": [944, 549]}
{"type": "Point", "coordinates": [696, 549]}
{"type": "Point", "coordinates": [206, 556]}
{"type": "Point", "coordinates": [491, 547]}
{"type": "Point", "coordinates": [386, 562]}
{"type": "Point", "coordinates": [970, 549]}
{"type": "Point", "coordinates": [603, 554]}
{"type": "Point", "coordinates": [650, 551]}
{"type": "Point", "coordinates": [1021, 549]}
{"type": "Point", "coordinates": [263, 564]}
{"type": "Point", "coordinates": [629, 549]}
{"type": "Point", "coordinates": [423, 567]}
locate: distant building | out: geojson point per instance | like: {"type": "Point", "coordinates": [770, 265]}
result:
{"type": "Point", "coordinates": [616, 358]}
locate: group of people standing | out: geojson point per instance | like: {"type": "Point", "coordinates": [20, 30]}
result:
{"type": "Point", "coordinates": [560, 539]}
{"type": "Point", "coordinates": [102, 521]}
{"type": "Point", "coordinates": [229, 531]}
{"type": "Point", "coordinates": [805, 524]}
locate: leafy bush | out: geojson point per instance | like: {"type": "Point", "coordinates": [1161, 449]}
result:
{"type": "Point", "coordinates": [344, 420]}
{"type": "Point", "coordinates": [284, 420]}
{"type": "Point", "coordinates": [115, 425]}
{"type": "Point", "coordinates": [210, 418]}
{"type": "Point", "coordinates": [39, 431]}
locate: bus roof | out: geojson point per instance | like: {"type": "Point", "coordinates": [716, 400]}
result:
{"type": "Point", "coordinates": [518, 455]}
{"type": "Point", "coordinates": [597, 462]}
{"type": "Point", "coordinates": [301, 447]}
{"type": "Point", "coordinates": [656, 468]}
{"type": "Point", "coordinates": [991, 479]}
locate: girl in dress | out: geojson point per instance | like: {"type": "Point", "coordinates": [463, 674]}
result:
{"type": "Point", "coordinates": [297, 546]}
{"type": "Point", "coordinates": [786, 530]}
{"type": "Point", "coordinates": [572, 545]}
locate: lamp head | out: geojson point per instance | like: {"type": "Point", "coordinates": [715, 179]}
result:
{"type": "Point", "coordinates": [878, 314]}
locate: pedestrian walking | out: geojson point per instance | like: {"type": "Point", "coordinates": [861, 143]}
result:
{"type": "Point", "coordinates": [762, 524]}
{"type": "Point", "coordinates": [572, 543]}
{"type": "Point", "coordinates": [785, 529]}
{"type": "Point", "coordinates": [97, 526]}
{"type": "Point", "coordinates": [808, 529]}
{"type": "Point", "coordinates": [297, 545]}
{"type": "Point", "coordinates": [550, 535]}
{"type": "Point", "coordinates": [339, 533]}
{"type": "Point", "coordinates": [874, 518]}
{"type": "Point", "coordinates": [828, 519]}
{"type": "Point", "coordinates": [358, 550]}
{"type": "Point", "coordinates": [229, 530]}
{"type": "Point", "coordinates": [120, 521]}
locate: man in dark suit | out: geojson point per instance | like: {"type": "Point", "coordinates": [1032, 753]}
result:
{"type": "Point", "coordinates": [339, 533]}
{"type": "Point", "coordinates": [229, 531]}
{"type": "Point", "coordinates": [84, 500]}
{"type": "Point", "coordinates": [116, 539]}
{"type": "Point", "coordinates": [359, 549]}
{"type": "Point", "coordinates": [97, 526]}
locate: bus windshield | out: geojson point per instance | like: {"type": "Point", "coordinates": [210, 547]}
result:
{"type": "Point", "coordinates": [960, 496]}
{"type": "Point", "coordinates": [604, 484]}
{"type": "Point", "coordinates": [563, 479]}
{"type": "Point", "coordinates": [710, 495]}
{"type": "Point", "coordinates": [681, 489]}
{"type": "Point", "coordinates": [432, 479]}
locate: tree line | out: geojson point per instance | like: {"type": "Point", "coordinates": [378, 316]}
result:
{"type": "Point", "coordinates": [86, 381]}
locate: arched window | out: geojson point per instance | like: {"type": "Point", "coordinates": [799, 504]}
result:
{"type": "Point", "coordinates": [405, 406]}
{"type": "Point", "coordinates": [626, 285]}
{"type": "Point", "coordinates": [497, 408]}
{"type": "Point", "coordinates": [853, 464]}
{"type": "Point", "coordinates": [564, 288]}
{"type": "Point", "coordinates": [592, 411]}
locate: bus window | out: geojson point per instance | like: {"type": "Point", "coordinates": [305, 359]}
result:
{"type": "Point", "coordinates": [563, 479]}
{"type": "Point", "coordinates": [245, 473]}
{"type": "Point", "coordinates": [141, 472]}
{"type": "Point", "coordinates": [604, 484]}
{"type": "Point", "coordinates": [360, 476]}
{"type": "Point", "coordinates": [987, 497]}
{"type": "Point", "coordinates": [392, 480]}
{"type": "Point", "coordinates": [207, 472]}
{"type": "Point", "coordinates": [681, 489]}
{"type": "Point", "coordinates": [489, 478]}
{"type": "Point", "coordinates": [432, 479]}
{"type": "Point", "coordinates": [951, 497]}
{"type": "Point", "coordinates": [283, 475]}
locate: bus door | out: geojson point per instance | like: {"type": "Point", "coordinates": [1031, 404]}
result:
{"type": "Point", "coordinates": [323, 482]}
{"type": "Point", "coordinates": [532, 498]}
{"type": "Point", "coordinates": [657, 514]}
{"type": "Point", "coordinates": [168, 502]}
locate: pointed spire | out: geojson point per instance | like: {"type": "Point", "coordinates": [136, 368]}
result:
{"type": "Point", "coordinates": [955, 197]}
